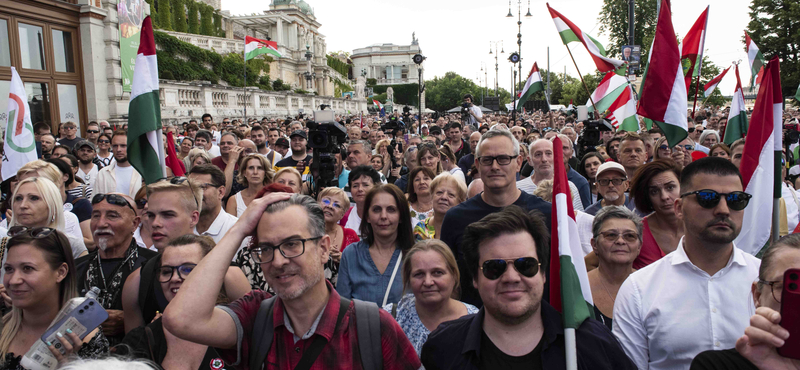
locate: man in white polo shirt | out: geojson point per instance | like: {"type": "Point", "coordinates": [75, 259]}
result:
{"type": "Point", "coordinates": [214, 221]}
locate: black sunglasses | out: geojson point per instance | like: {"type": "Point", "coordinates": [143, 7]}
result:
{"type": "Point", "coordinates": [92, 131]}
{"type": "Point", "coordinates": [114, 199]}
{"type": "Point", "coordinates": [494, 269]}
{"type": "Point", "coordinates": [34, 232]}
{"type": "Point", "coordinates": [737, 200]}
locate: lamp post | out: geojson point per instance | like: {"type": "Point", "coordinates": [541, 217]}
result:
{"type": "Point", "coordinates": [519, 39]}
{"type": "Point", "coordinates": [485, 71]}
{"type": "Point", "coordinates": [496, 68]}
{"type": "Point", "coordinates": [309, 74]}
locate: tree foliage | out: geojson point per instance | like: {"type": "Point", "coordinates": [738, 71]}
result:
{"type": "Point", "coordinates": [614, 22]}
{"type": "Point", "coordinates": [709, 71]}
{"type": "Point", "coordinates": [179, 16]}
{"type": "Point", "coordinates": [206, 19]}
{"type": "Point", "coordinates": [153, 13]}
{"type": "Point", "coordinates": [193, 18]}
{"type": "Point", "coordinates": [774, 28]}
{"type": "Point", "coordinates": [164, 15]}
{"type": "Point", "coordinates": [338, 65]}
{"type": "Point", "coordinates": [443, 93]}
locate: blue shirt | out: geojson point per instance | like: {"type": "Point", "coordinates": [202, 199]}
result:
{"type": "Point", "coordinates": [583, 186]}
{"type": "Point", "coordinates": [359, 278]}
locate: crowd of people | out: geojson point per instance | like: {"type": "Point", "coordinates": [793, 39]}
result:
{"type": "Point", "coordinates": [431, 249]}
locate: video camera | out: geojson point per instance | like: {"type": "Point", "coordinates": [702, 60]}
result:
{"type": "Point", "coordinates": [326, 137]}
{"type": "Point", "coordinates": [590, 136]}
{"type": "Point", "coordinates": [791, 134]}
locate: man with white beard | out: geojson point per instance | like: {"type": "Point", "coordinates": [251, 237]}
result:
{"type": "Point", "coordinates": [612, 185]}
{"type": "Point", "coordinates": [117, 255]}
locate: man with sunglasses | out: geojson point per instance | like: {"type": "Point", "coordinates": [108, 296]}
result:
{"type": "Point", "coordinates": [70, 136]}
{"type": "Point", "coordinates": [498, 160]}
{"type": "Point", "coordinates": [312, 324]}
{"type": "Point", "coordinates": [516, 328]}
{"type": "Point", "coordinates": [696, 298]}
{"type": "Point", "coordinates": [117, 256]}
{"type": "Point", "coordinates": [92, 132]}
{"type": "Point", "coordinates": [612, 184]}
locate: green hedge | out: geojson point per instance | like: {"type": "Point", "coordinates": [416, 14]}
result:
{"type": "Point", "coordinates": [181, 61]}
{"type": "Point", "coordinates": [194, 18]}
{"type": "Point", "coordinates": [164, 15]}
{"type": "Point", "coordinates": [338, 65]}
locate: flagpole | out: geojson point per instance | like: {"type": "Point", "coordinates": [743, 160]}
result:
{"type": "Point", "coordinates": [697, 87]}
{"type": "Point", "coordinates": [244, 54]}
{"type": "Point", "coordinates": [582, 81]}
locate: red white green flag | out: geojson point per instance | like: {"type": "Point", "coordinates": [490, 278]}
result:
{"type": "Point", "coordinates": [737, 118]}
{"type": "Point", "coordinates": [622, 112]}
{"type": "Point", "coordinates": [144, 118]}
{"type": "Point", "coordinates": [607, 91]}
{"type": "Point", "coordinates": [569, 32]}
{"type": "Point", "coordinates": [692, 48]}
{"type": "Point", "coordinates": [533, 85]}
{"type": "Point", "coordinates": [254, 47]}
{"type": "Point", "coordinates": [755, 58]}
{"type": "Point", "coordinates": [709, 88]}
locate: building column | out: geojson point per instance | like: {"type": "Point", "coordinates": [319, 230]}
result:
{"type": "Point", "coordinates": [392, 78]}
{"type": "Point", "coordinates": [279, 33]}
{"type": "Point", "coordinates": [94, 64]}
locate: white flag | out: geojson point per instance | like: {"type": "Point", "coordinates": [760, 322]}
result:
{"type": "Point", "coordinates": [20, 145]}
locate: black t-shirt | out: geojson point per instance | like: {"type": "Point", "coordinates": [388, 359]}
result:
{"type": "Point", "coordinates": [727, 359]}
{"type": "Point", "coordinates": [493, 358]}
{"type": "Point", "coordinates": [140, 347]}
{"type": "Point", "coordinates": [70, 143]}
{"type": "Point", "coordinates": [290, 162]}
{"type": "Point", "coordinates": [79, 206]}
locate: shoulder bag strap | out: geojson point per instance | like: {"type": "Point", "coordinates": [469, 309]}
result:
{"type": "Point", "coordinates": [315, 349]}
{"type": "Point", "coordinates": [391, 280]}
{"type": "Point", "coordinates": [368, 325]}
{"type": "Point", "coordinates": [3, 245]}
{"type": "Point", "coordinates": [263, 333]}
{"type": "Point", "coordinates": [150, 341]}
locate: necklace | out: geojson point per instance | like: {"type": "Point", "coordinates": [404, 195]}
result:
{"type": "Point", "coordinates": [335, 238]}
{"type": "Point", "coordinates": [602, 282]}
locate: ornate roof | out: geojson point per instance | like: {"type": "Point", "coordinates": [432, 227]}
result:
{"type": "Point", "coordinates": [301, 4]}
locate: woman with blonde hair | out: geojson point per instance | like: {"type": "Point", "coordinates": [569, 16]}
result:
{"type": "Point", "coordinates": [448, 160]}
{"type": "Point", "coordinates": [334, 203]}
{"type": "Point", "coordinates": [196, 156]}
{"type": "Point", "coordinates": [430, 273]}
{"type": "Point", "coordinates": [447, 192]}
{"type": "Point", "coordinates": [255, 172]}
{"type": "Point", "coordinates": [290, 177]}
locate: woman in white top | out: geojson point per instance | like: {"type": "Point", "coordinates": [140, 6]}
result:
{"type": "Point", "coordinates": [448, 161]}
{"type": "Point", "coordinates": [255, 172]}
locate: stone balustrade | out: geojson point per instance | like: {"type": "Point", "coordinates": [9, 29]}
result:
{"type": "Point", "coordinates": [220, 45]}
{"type": "Point", "coordinates": [181, 101]}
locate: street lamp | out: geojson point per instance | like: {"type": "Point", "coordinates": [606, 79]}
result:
{"type": "Point", "coordinates": [519, 41]}
{"type": "Point", "coordinates": [310, 76]}
{"type": "Point", "coordinates": [496, 68]}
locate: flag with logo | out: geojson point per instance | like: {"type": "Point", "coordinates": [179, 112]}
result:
{"type": "Point", "coordinates": [692, 48]}
{"type": "Point", "coordinates": [622, 112]}
{"type": "Point", "coordinates": [144, 118]}
{"type": "Point", "coordinates": [20, 145]}
{"type": "Point", "coordinates": [570, 292]}
{"type": "Point", "coordinates": [737, 118]}
{"type": "Point", "coordinates": [533, 85]}
{"type": "Point", "coordinates": [709, 88]}
{"type": "Point", "coordinates": [760, 166]}
{"type": "Point", "coordinates": [607, 91]}
{"type": "Point", "coordinates": [569, 32]}
{"type": "Point", "coordinates": [664, 98]}
{"type": "Point", "coordinates": [254, 47]}
{"type": "Point", "coordinates": [755, 58]}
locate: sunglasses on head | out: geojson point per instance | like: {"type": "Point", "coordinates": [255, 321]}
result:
{"type": "Point", "coordinates": [736, 200]}
{"type": "Point", "coordinates": [34, 232]}
{"type": "Point", "coordinates": [114, 199]}
{"type": "Point", "coordinates": [494, 269]}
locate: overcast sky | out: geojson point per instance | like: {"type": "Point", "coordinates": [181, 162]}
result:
{"type": "Point", "coordinates": [455, 34]}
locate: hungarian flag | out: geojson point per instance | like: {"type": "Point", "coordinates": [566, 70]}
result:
{"type": "Point", "coordinates": [172, 161]}
{"type": "Point", "coordinates": [533, 85]}
{"type": "Point", "coordinates": [664, 98]}
{"type": "Point", "coordinates": [797, 95]}
{"type": "Point", "coordinates": [708, 88]}
{"type": "Point", "coordinates": [622, 112]}
{"type": "Point", "coordinates": [692, 49]}
{"type": "Point", "coordinates": [144, 120]}
{"type": "Point", "coordinates": [737, 118]}
{"type": "Point", "coordinates": [760, 165]}
{"type": "Point", "coordinates": [254, 47]}
{"type": "Point", "coordinates": [377, 104]}
{"type": "Point", "coordinates": [608, 90]}
{"type": "Point", "coordinates": [20, 145]}
{"type": "Point", "coordinates": [569, 32]}
{"type": "Point", "coordinates": [570, 292]}
{"type": "Point", "coordinates": [755, 58]}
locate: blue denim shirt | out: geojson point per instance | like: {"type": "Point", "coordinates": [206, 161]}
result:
{"type": "Point", "coordinates": [359, 278]}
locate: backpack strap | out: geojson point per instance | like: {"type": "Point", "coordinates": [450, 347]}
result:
{"type": "Point", "coordinates": [368, 324]}
{"type": "Point", "coordinates": [146, 278]}
{"type": "Point", "coordinates": [263, 333]}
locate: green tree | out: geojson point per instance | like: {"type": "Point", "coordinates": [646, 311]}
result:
{"type": "Point", "coordinates": [614, 22]}
{"type": "Point", "coordinates": [206, 20]}
{"type": "Point", "coordinates": [218, 25]}
{"type": "Point", "coordinates": [193, 21]}
{"type": "Point", "coordinates": [153, 13]}
{"type": "Point", "coordinates": [709, 71]}
{"type": "Point", "coordinates": [164, 15]}
{"type": "Point", "coordinates": [443, 93]}
{"type": "Point", "coordinates": [774, 28]}
{"type": "Point", "coordinates": [574, 90]}
{"type": "Point", "coordinates": [178, 16]}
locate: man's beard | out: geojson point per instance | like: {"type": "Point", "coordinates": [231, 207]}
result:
{"type": "Point", "coordinates": [261, 146]}
{"type": "Point", "coordinates": [611, 197]}
{"type": "Point", "coordinates": [121, 160]}
{"type": "Point", "coordinates": [84, 161]}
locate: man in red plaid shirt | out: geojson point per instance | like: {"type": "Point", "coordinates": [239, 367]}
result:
{"type": "Point", "coordinates": [292, 249]}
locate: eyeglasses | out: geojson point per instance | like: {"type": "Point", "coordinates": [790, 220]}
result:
{"type": "Point", "coordinates": [776, 287]}
{"type": "Point", "coordinates": [69, 127]}
{"type": "Point", "coordinates": [165, 273]}
{"type": "Point", "coordinates": [114, 199]}
{"type": "Point", "coordinates": [207, 185]}
{"type": "Point", "coordinates": [736, 200]}
{"type": "Point", "coordinates": [502, 160]}
{"type": "Point", "coordinates": [141, 203]}
{"type": "Point", "coordinates": [494, 269]}
{"type": "Point", "coordinates": [104, 141]}
{"type": "Point", "coordinates": [329, 202]}
{"type": "Point", "coordinates": [617, 182]}
{"type": "Point", "coordinates": [265, 253]}
{"type": "Point", "coordinates": [612, 236]}
{"type": "Point", "coordinates": [33, 232]}
{"type": "Point", "coordinates": [686, 146]}
{"type": "Point", "coordinates": [92, 131]}
{"type": "Point", "coordinates": [664, 147]}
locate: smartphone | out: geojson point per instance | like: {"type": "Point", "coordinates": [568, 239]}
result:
{"type": "Point", "coordinates": [82, 320]}
{"type": "Point", "coordinates": [790, 313]}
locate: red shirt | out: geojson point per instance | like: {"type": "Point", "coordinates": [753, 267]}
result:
{"type": "Point", "coordinates": [217, 161]}
{"type": "Point", "coordinates": [350, 237]}
{"type": "Point", "coordinates": [650, 251]}
{"type": "Point", "coordinates": [341, 352]}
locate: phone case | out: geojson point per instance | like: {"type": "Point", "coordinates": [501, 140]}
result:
{"type": "Point", "coordinates": [790, 313]}
{"type": "Point", "coordinates": [82, 320]}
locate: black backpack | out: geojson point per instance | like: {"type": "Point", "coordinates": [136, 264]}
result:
{"type": "Point", "coordinates": [368, 324]}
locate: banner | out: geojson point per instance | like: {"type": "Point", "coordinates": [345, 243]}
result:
{"type": "Point", "coordinates": [20, 145]}
{"type": "Point", "coordinates": [130, 14]}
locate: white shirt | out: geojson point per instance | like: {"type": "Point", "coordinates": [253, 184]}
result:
{"type": "Point", "coordinates": [584, 221]}
{"type": "Point", "coordinates": [220, 226]}
{"type": "Point", "coordinates": [789, 195]}
{"type": "Point", "coordinates": [123, 179]}
{"type": "Point", "coordinates": [214, 151]}
{"type": "Point", "coordinates": [670, 311]}
{"type": "Point", "coordinates": [529, 187]}
{"type": "Point", "coordinates": [89, 178]}
{"type": "Point", "coordinates": [354, 221]}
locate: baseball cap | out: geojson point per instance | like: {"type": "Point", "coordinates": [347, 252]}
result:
{"type": "Point", "coordinates": [83, 143]}
{"type": "Point", "coordinates": [299, 133]}
{"type": "Point", "coordinates": [611, 166]}
{"type": "Point", "coordinates": [424, 125]}
{"type": "Point", "coordinates": [282, 142]}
